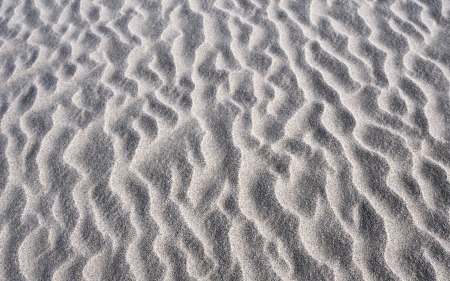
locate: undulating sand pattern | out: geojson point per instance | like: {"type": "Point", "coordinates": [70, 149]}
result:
{"type": "Point", "coordinates": [224, 140]}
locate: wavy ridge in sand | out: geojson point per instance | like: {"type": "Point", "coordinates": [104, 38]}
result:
{"type": "Point", "coordinates": [224, 140]}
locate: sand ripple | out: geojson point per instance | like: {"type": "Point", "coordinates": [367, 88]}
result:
{"type": "Point", "coordinates": [224, 140]}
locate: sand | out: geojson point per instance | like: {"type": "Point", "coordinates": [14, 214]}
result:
{"type": "Point", "coordinates": [224, 140]}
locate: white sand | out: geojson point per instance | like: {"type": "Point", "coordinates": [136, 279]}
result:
{"type": "Point", "coordinates": [224, 140]}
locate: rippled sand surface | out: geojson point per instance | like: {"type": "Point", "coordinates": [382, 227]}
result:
{"type": "Point", "coordinates": [224, 140]}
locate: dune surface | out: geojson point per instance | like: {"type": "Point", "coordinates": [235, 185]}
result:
{"type": "Point", "coordinates": [224, 140]}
